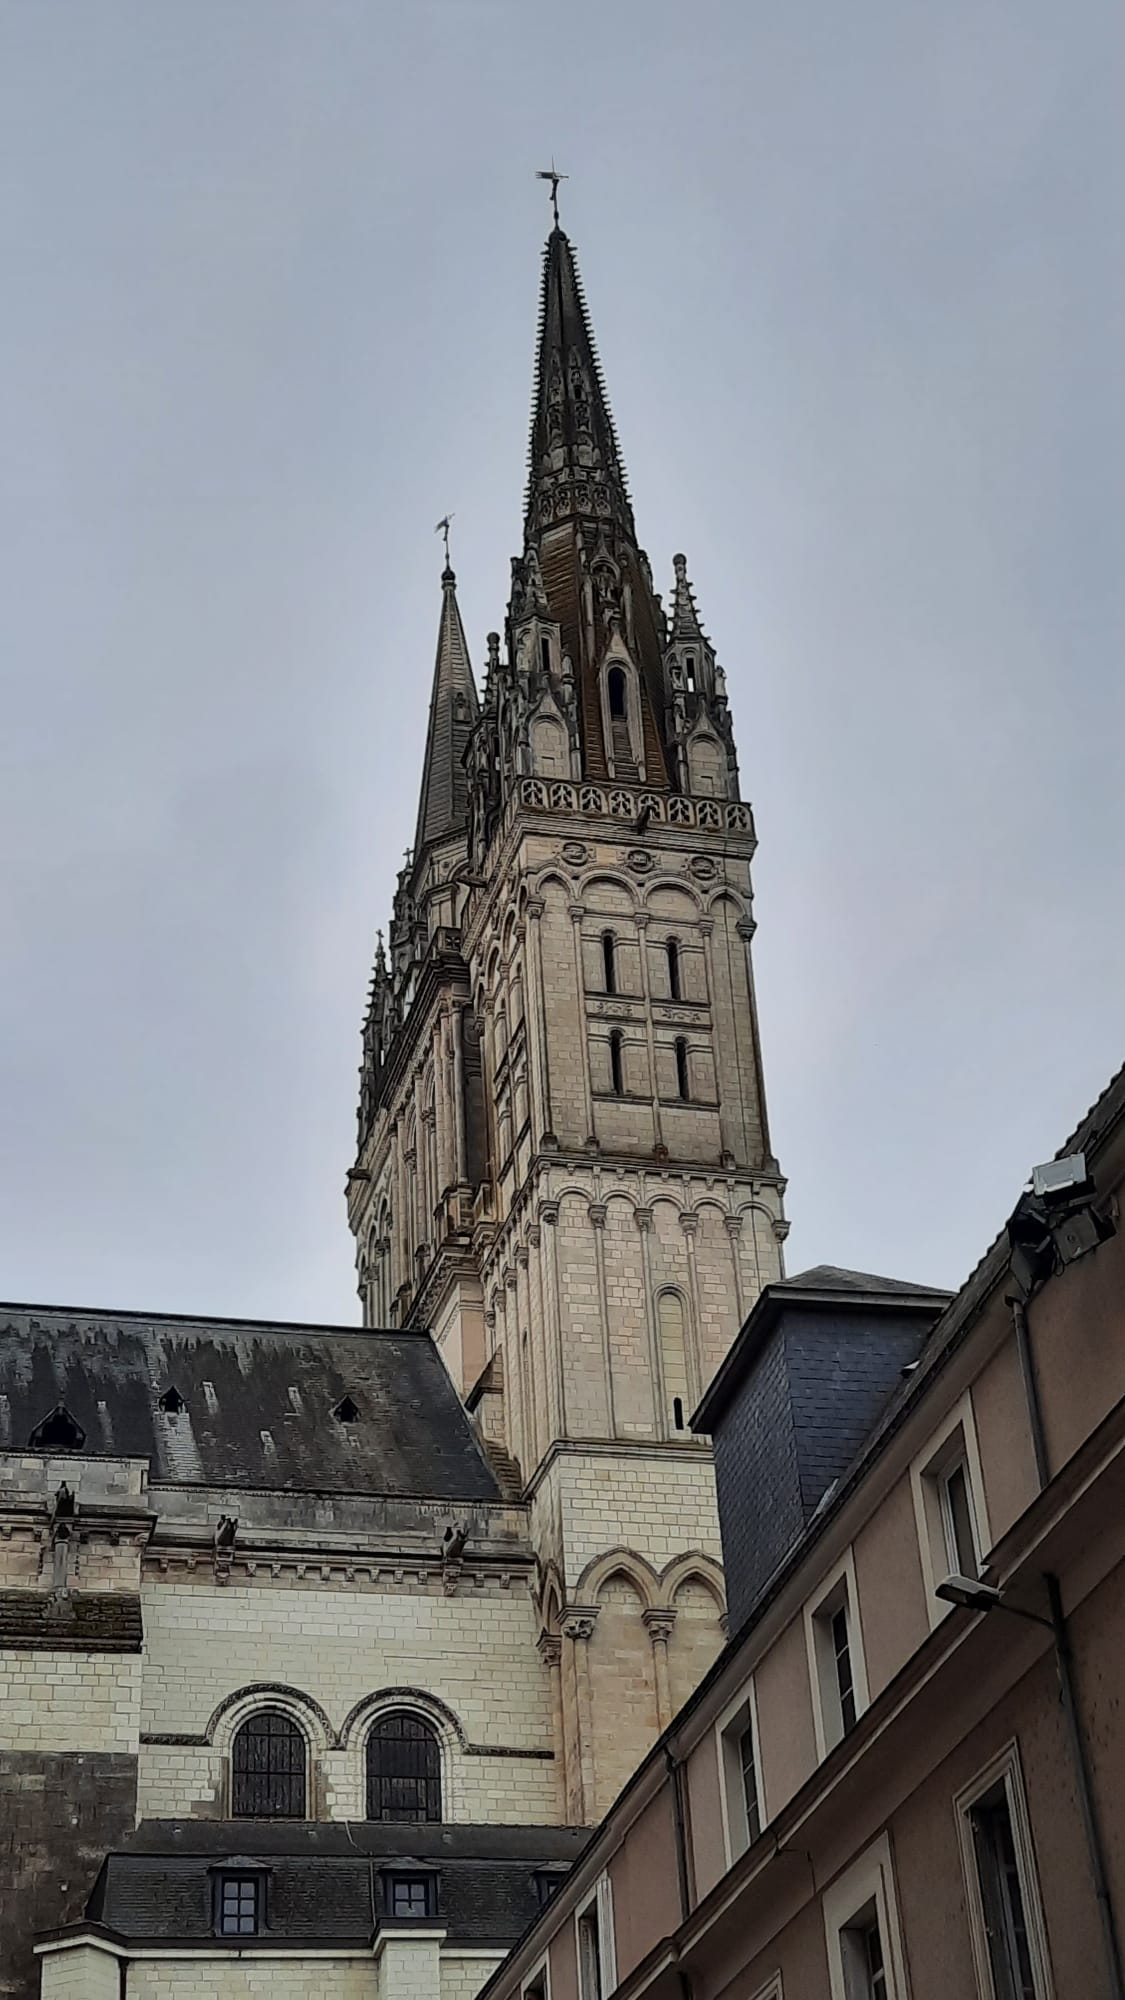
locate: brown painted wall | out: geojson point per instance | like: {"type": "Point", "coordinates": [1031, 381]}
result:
{"type": "Point", "coordinates": [646, 1896]}
{"type": "Point", "coordinates": [786, 1718]}
{"type": "Point", "coordinates": [889, 1585]}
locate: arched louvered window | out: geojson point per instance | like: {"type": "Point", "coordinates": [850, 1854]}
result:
{"type": "Point", "coordinates": [673, 950]}
{"type": "Point", "coordinates": [403, 1770]}
{"type": "Point", "coordinates": [267, 1763]}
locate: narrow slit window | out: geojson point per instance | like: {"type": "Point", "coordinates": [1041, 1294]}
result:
{"type": "Point", "coordinates": [842, 1660]}
{"type": "Point", "coordinates": [545, 653]}
{"type": "Point", "coordinates": [616, 693]}
{"type": "Point", "coordinates": [609, 962]}
{"type": "Point", "coordinates": [673, 950]}
{"type": "Point", "coordinates": [689, 672]}
{"type": "Point", "coordinates": [678, 1412]}
{"type": "Point", "coordinates": [682, 1085]}
{"type": "Point", "coordinates": [616, 1069]}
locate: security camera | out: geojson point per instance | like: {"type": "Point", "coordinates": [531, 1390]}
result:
{"type": "Point", "coordinates": [969, 1593]}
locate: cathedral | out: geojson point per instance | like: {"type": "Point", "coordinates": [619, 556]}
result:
{"type": "Point", "coordinates": [321, 1646]}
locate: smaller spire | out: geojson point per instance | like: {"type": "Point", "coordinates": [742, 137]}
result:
{"type": "Point", "coordinates": [443, 808]}
{"type": "Point", "coordinates": [684, 623]}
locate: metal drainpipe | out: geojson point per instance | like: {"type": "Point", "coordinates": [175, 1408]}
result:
{"type": "Point", "coordinates": [1064, 1662]}
{"type": "Point", "coordinates": [1031, 1390]}
{"type": "Point", "coordinates": [675, 1777]}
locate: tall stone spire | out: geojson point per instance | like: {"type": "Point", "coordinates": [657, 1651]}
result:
{"type": "Point", "coordinates": [443, 807]}
{"type": "Point", "coordinates": [580, 544]}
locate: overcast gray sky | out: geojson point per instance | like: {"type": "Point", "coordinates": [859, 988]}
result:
{"type": "Point", "coordinates": [270, 276]}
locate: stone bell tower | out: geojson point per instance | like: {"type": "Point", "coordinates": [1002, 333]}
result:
{"type": "Point", "coordinates": [564, 1167]}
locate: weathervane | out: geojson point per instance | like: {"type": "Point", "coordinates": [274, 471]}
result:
{"type": "Point", "coordinates": [443, 529]}
{"type": "Point", "coordinates": [553, 175]}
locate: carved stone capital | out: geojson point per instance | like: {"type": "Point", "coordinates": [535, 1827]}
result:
{"type": "Point", "coordinates": [643, 1219]}
{"type": "Point", "coordinates": [746, 928]}
{"type": "Point", "coordinates": [780, 1229]}
{"type": "Point", "coordinates": [549, 1212]}
{"type": "Point", "coordinates": [705, 927]}
{"type": "Point", "coordinates": [535, 907]}
{"type": "Point", "coordinates": [597, 1214]}
{"type": "Point", "coordinates": [642, 919]}
{"type": "Point", "coordinates": [689, 1223]}
{"type": "Point", "coordinates": [521, 1256]}
{"type": "Point", "coordinates": [733, 1225]}
{"type": "Point", "coordinates": [576, 912]}
{"type": "Point", "coordinates": [549, 1647]}
{"type": "Point", "coordinates": [659, 1624]}
{"type": "Point", "coordinates": [579, 1624]}
{"type": "Point", "coordinates": [534, 1236]}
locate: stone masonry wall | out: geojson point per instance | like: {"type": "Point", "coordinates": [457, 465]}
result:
{"type": "Point", "coordinates": [473, 1653]}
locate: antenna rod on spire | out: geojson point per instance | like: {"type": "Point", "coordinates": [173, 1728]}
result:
{"type": "Point", "coordinates": [552, 174]}
{"type": "Point", "coordinates": [443, 529]}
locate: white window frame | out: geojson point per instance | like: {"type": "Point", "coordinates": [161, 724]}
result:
{"type": "Point", "coordinates": [1004, 1768]}
{"type": "Point", "coordinates": [869, 1880]}
{"type": "Point", "coordinates": [740, 1715]}
{"type": "Point", "coordinates": [538, 1980]}
{"type": "Point", "coordinates": [839, 1585]}
{"type": "Point", "coordinates": [772, 1990]}
{"type": "Point", "coordinates": [955, 1441]}
{"type": "Point", "coordinates": [600, 1903]}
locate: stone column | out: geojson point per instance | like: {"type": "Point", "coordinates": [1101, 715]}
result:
{"type": "Point", "coordinates": [527, 1358]}
{"type": "Point", "coordinates": [658, 1625]}
{"type": "Point", "coordinates": [733, 1226]}
{"type": "Point", "coordinates": [550, 1652]}
{"type": "Point", "coordinates": [459, 1144]}
{"type": "Point", "coordinates": [578, 1627]}
{"type": "Point", "coordinates": [643, 1219]}
{"type": "Point", "coordinates": [597, 1213]}
{"type": "Point", "coordinates": [534, 1013]}
{"type": "Point", "coordinates": [641, 919]}
{"type": "Point", "coordinates": [553, 1319]}
{"type": "Point", "coordinates": [577, 912]}
{"type": "Point", "coordinates": [693, 1342]}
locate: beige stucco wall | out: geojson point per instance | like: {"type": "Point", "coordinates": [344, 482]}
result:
{"type": "Point", "coordinates": [892, 1605]}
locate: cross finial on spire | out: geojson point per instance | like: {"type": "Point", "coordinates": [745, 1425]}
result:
{"type": "Point", "coordinates": [553, 175]}
{"type": "Point", "coordinates": [442, 529]}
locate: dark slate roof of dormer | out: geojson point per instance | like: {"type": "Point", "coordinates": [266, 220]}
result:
{"type": "Point", "coordinates": [258, 1401]}
{"type": "Point", "coordinates": [323, 1877]}
{"type": "Point", "coordinates": [823, 1286]}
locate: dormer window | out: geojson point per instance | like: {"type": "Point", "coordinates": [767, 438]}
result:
{"type": "Point", "coordinates": [240, 1903]}
{"type": "Point", "coordinates": [347, 1411]}
{"type": "Point", "coordinates": [171, 1402]}
{"type": "Point", "coordinates": [58, 1432]}
{"type": "Point", "coordinates": [410, 1897]}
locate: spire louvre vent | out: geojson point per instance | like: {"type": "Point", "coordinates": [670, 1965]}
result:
{"type": "Point", "coordinates": [346, 1411]}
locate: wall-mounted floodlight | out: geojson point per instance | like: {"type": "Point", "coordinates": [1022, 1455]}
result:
{"type": "Point", "coordinates": [1055, 1222]}
{"type": "Point", "coordinates": [1061, 1180]}
{"type": "Point", "coordinates": [969, 1592]}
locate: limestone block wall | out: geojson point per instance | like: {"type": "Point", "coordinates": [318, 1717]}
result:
{"type": "Point", "coordinates": [258, 1978]}
{"type": "Point", "coordinates": [470, 1660]}
{"type": "Point", "coordinates": [82, 1973]}
{"type": "Point", "coordinates": [51, 1702]}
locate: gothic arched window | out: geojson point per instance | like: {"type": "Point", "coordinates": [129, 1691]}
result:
{"type": "Point", "coordinates": [682, 1084]}
{"type": "Point", "coordinates": [673, 951]}
{"type": "Point", "coordinates": [267, 1765]}
{"type": "Point", "coordinates": [609, 961]}
{"type": "Point", "coordinates": [403, 1769]}
{"type": "Point", "coordinates": [615, 688]}
{"type": "Point", "coordinates": [616, 1069]}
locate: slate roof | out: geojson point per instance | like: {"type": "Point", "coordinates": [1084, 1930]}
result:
{"type": "Point", "coordinates": [324, 1879]}
{"type": "Point", "coordinates": [837, 1278]}
{"type": "Point", "coordinates": [258, 1401]}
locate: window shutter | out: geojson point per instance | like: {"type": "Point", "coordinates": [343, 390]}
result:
{"type": "Point", "coordinates": [607, 1943]}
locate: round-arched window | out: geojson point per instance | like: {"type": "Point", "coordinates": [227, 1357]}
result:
{"type": "Point", "coordinates": [403, 1769]}
{"type": "Point", "coordinates": [615, 687]}
{"type": "Point", "coordinates": [268, 1759]}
